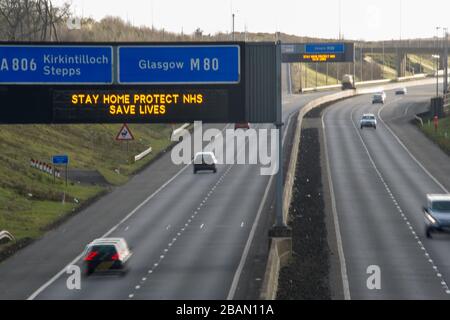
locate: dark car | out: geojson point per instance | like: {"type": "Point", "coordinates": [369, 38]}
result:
{"type": "Point", "coordinates": [205, 161]}
{"type": "Point", "coordinates": [106, 255]}
{"type": "Point", "coordinates": [378, 98]}
{"type": "Point", "coordinates": [401, 91]}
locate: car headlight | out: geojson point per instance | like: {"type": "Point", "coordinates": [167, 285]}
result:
{"type": "Point", "coordinates": [431, 219]}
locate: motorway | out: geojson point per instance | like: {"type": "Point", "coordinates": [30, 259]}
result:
{"type": "Point", "coordinates": [190, 234]}
{"type": "Point", "coordinates": [380, 179]}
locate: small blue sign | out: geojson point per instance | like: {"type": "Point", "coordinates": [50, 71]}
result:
{"type": "Point", "coordinates": [61, 159]}
{"type": "Point", "coordinates": [200, 64]}
{"type": "Point", "coordinates": [28, 64]}
{"type": "Point", "coordinates": [317, 48]}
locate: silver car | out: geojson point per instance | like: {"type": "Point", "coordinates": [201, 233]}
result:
{"type": "Point", "coordinates": [368, 120]}
{"type": "Point", "coordinates": [437, 214]}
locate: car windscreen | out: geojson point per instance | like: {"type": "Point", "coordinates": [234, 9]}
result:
{"type": "Point", "coordinates": [368, 118]}
{"type": "Point", "coordinates": [208, 159]}
{"type": "Point", "coordinates": [441, 206]}
{"type": "Point", "coordinates": [204, 158]}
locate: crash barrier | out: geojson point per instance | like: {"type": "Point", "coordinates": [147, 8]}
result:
{"type": "Point", "coordinates": [368, 83]}
{"type": "Point", "coordinates": [419, 119]}
{"type": "Point", "coordinates": [178, 133]}
{"type": "Point", "coordinates": [414, 77]}
{"type": "Point", "coordinates": [142, 154]}
{"type": "Point", "coordinates": [45, 167]}
{"type": "Point", "coordinates": [5, 236]}
{"type": "Point", "coordinates": [279, 248]}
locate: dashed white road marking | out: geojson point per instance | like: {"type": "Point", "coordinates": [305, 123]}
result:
{"type": "Point", "coordinates": [186, 225]}
{"type": "Point", "coordinates": [399, 210]}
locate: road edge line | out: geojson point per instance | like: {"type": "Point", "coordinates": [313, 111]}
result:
{"type": "Point", "coordinates": [238, 272]}
{"type": "Point", "coordinates": [114, 228]}
{"type": "Point", "coordinates": [440, 185]}
{"type": "Point", "coordinates": [337, 230]}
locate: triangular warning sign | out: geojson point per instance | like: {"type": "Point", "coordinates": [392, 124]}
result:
{"type": "Point", "coordinates": [124, 134]}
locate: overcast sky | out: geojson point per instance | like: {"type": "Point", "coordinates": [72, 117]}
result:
{"type": "Point", "coordinates": [360, 19]}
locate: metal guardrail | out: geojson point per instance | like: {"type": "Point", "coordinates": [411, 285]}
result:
{"type": "Point", "coordinates": [368, 83]}
{"type": "Point", "coordinates": [419, 119]}
{"type": "Point", "coordinates": [401, 43]}
{"type": "Point", "coordinates": [176, 134]}
{"type": "Point", "coordinates": [5, 235]}
{"type": "Point", "coordinates": [143, 154]}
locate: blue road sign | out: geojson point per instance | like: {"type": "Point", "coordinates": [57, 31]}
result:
{"type": "Point", "coordinates": [60, 159]}
{"type": "Point", "coordinates": [165, 64]}
{"type": "Point", "coordinates": [25, 64]}
{"type": "Point", "coordinates": [325, 48]}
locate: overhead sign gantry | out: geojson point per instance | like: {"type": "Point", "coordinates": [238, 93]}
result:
{"type": "Point", "coordinates": [318, 52]}
{"type": "Point", "coordinates": [137, 82]}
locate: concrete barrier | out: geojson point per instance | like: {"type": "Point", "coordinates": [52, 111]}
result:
{"type": "Point", "coordinates": [279, 248]}
{"type": "Point", "coordinates": [280, 252]}
{"type": "Point", "coordinates": [290, 173]}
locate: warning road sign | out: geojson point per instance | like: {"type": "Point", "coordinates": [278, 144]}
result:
{"type": "Point", "coordinates": [124, 134]}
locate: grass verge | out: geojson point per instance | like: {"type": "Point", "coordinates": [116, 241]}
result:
{"type": "Point", "coordinates": [441, 136]}
{"type": "Point", "coordinates": [32, 202]}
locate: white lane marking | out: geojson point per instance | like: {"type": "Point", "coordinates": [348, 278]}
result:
{"type": "Point", "coordinates": [344, 275]}
{"type": "Point", "coordinates": [237, 274]}
{"type": "Point", "coordinates": [380, 176]}
{"type": "Point", "coordinates": [240, 267]}
{"type": "Point", "coordinates": [242, 224]}
{"type": "Point", "coordinates": [201, 227]}
{"type": "Point", "coordinates": [74, 261]}
{"type": "Point", "coordinates": [128, 216]}
{"type": "Point", "coordinates": [410, 154]}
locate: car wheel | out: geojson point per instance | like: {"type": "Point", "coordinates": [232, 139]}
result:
{"type": "Point", "coordinates": [362, 127]}
{"type": "Point", "coordinates": [195, 171]}
{"type": "Point", "coordinates": [87, 271]}
{"type": "Point", "coordinates": [215, 170]}
{"type": "Point", "coordinates": [428, 233]}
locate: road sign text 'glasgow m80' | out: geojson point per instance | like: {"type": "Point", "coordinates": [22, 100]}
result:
{"type": "Point", "coordinates": [138, 82]}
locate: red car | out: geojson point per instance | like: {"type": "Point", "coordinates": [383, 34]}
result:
{"type": "Point", "coordinates": [244, 125]}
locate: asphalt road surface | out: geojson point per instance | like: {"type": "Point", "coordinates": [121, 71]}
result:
{"type": "Point", "coordinates": [380, 179]}
{"type": "Point", "coordinates": [190, 234]}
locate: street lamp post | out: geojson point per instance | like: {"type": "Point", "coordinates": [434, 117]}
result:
{"type": "Point", "coordinates": [437, 61]}
{"type": "Point", "coordinates": [445, 89]}
{"type": "Point", "coordinates": [232, 32]}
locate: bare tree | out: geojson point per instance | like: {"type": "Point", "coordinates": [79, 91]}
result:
{"type": "Point", "coordinates": [28, 20]}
